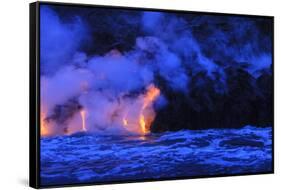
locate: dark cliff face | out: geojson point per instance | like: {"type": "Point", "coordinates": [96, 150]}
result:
{"type": "Point", "coordinates": [246, 101]}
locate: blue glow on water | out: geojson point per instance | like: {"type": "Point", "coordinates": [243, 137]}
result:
{"type": "Point", "coordinates": [85, 158]}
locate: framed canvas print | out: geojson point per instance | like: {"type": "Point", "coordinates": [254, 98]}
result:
{"type": "Point", "coordinates": [121, 94]}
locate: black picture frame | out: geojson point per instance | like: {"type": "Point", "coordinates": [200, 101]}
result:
{"type": "Point", "coordinates": [34, 90]}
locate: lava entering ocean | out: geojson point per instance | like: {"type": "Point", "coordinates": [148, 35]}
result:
{"type": "Point", "coordinates": [83, 115]}
{"type": "Point", "coordinates": [136, 116]}
{"type": "Point", "coordinates": [141, 124]}
{"type": "Point", "coordinates": [43, 125]}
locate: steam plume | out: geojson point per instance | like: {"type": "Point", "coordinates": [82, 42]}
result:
{"type": "Point", "coordinates": [119, 92]}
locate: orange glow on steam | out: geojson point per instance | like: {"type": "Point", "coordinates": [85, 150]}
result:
{"type": "Point", "coordinates": [43, 125]}
{"type": "Point", "coordinates": [136, 117]}
{"type": "Point", "coordinates": [125, 122]}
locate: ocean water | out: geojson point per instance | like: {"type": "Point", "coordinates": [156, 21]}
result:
{"type": "Point", "coordinates": [88, 158]}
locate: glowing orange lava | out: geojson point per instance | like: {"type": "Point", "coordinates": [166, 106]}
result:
{"type": "Point", "coordinates": [83, 114]}
{"type": "Point", "coordinates": [146, 115]}
{"type": "Point", "coordinates": [43, 125]}
{"type": "Point", "coordinates": [142, 124]}
{"type": "Point", "coordinates": [125, 122]}
{"type": "Point", "coordinates": [136, 116]}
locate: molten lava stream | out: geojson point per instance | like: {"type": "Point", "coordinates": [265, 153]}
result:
{"type": "Point", "coordinates": [149, 98]}
{"type": "Point", "coordinates": [125, 122]}
{"type": "Point", "coordinates": [83, 115]}
{"type": "Point", "coordinates": [43, 125]}
{"type": "Point", "coordinates": [141, 124]}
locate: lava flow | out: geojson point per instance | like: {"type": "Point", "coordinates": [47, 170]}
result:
{"type": "Point", "coordinates": [147, 109]}
{"type": "Point", "coordinates": [136, 116]}
{"type": "Point", "coordinates": [146, 115]}
{"type": "Point", "coordinates": [83, 114]}
{"type": "Point", "coordinates": [125, 122]}
{"type": "Point", "coordinates": [43, 125]}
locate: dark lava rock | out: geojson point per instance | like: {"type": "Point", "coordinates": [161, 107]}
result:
{"type": "Point", "coordinates": [246, 100]}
